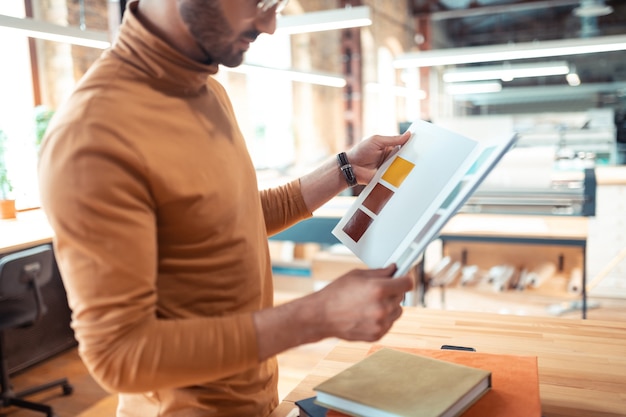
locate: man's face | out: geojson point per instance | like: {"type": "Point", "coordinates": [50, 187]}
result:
{"type": "Point", "coordinates": [223, 29]}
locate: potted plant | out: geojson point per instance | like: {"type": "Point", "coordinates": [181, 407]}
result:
{"type": "Point", "coordinates": [42, 118]}
{"type": "Point", "coordinates": [7, 204]}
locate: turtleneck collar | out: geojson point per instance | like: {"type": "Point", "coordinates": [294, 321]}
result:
{"type": "Point", "coordinates": [168, 68]}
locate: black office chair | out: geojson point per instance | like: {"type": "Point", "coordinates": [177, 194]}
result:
{"type": "Point", "coordinates": [21, 304]}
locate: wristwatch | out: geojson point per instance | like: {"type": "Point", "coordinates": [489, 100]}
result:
{"type": "Point", "coordinates": [346, 169]}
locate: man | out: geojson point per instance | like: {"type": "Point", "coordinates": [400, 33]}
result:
{"type": "Point", "coordinates": [161, 232]}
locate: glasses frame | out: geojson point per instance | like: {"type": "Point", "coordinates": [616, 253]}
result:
{"type": "Point", "coordinates": [264, 5]}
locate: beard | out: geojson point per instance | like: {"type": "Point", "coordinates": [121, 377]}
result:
{"type": "Point", "coordinates": [208, 26]}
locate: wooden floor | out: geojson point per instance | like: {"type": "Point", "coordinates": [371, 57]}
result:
{"type": "Point", "coordinates": [89, 400]}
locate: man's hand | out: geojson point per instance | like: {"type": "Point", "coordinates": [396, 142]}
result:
{"type": "Point", "coordinates": [367, 156]}
{"type": "Point", "coordinates": [360, 305]}
{"type": "Point", "coordinates": [363, 304]}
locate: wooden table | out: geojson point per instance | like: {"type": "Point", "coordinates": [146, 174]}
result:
{"type": "Point", "coordinates": [30, 228]}
{"type": "Point", "coordinates": [582, 363]}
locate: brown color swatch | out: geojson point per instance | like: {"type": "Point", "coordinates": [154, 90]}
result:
{"type": "Point", "coordinates": [357, 225]}
{"type": "Point", "coordinates": [377, 198]}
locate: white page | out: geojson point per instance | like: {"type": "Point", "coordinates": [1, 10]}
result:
{"type": "Point", "coordinates": [430, 178]}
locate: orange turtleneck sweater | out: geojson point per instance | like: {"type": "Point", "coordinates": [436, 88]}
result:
{"type": "Point", "coordinates": [161, 233]}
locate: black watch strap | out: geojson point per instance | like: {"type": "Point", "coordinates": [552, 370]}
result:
{"type": "Point", "coordinates": [346, 169]}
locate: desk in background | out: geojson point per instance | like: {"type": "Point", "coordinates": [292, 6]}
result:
{"type": "Point", "coordinates": [30, 228]}
{"type": "Point", "coordinates": [318, 229]}
{"type": "Point", "coordinates": [555, 231]}
{"type": "Point", "coordinates": [468, 227]}
{"type": "Point", "coordinates": [52, 334]}
{"type": "Point", "coordinates": [582, 363]}
{"type": "Point", "coordinates": [523, 228]}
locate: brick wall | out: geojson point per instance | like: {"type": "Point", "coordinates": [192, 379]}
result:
{"type": "Point", "coordinates": [61, 65]}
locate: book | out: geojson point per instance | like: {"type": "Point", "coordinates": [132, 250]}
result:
{"type": "Point", "coordinates": [514, 381]}
{"type": "Point", "coordinates": [394, 383]}
{"type": "Point", "coordinates": [307, 407]}
{"type": "Point", "coordinates": [415, 192]}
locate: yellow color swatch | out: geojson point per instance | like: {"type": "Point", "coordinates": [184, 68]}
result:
{"type": "Point", "coordinates": [398, 171]}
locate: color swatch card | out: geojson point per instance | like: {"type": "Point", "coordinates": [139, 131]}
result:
{"type": "Point", "coordinates": [414, 193]}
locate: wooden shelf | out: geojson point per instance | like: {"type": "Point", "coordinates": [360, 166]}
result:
{"type": "Point", "coordinates": [524, 243]}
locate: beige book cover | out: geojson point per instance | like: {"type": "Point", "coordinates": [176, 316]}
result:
{"type": "Point", "coordinates": [391, 383]}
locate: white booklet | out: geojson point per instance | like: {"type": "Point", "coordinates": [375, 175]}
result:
{"type": "Point", "coordinates": [414, 193]}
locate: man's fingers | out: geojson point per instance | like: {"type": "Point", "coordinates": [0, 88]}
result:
{"type": "Point", "coordinates": [400, 284]}
{"type": "Point", "coordinates": [387, 272]}
{"type": "Point", "coordinates": [403, 283]}
{"type": "Point", "coordinates": [395, 139]}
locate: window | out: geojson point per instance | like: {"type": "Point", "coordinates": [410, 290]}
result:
{"type": "Point", "coordinates": [17, 110]}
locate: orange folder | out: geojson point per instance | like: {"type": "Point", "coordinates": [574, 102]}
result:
{"type": "Point", "coordinates": [515, 382]}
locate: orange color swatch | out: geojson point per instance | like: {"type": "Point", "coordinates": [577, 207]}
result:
{"type": "Point", "coordinates": [398, 171]}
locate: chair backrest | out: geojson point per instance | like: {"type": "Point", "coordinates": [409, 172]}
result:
{"type": "Point", "coordinates": [25, 271]}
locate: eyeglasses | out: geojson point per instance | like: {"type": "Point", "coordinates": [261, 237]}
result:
{"type": "Point", "coordinates": [264, 5]}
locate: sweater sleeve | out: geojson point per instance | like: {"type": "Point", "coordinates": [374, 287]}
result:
{"type": "Point", "coordinates": [103, 216]}
{"type": "Point", "coordinates": [283, 206]}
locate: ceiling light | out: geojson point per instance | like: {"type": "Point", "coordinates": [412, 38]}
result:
{"type": "Point", "coordinates": [572, 77]}
{"type": "Point", "coordinates": [545, 93]}
{"type": "Point", "coordinates": [348, 17]}
{"type": "Point", "coordinates": [328, 80]}
{"type": "Point", "coordinates": [509, 52]}
{"type": "Point", "coordinates": [505, 72]}
{"type": "Point", "coordinates": [592, 8]}
{"type": "Point", "coordinates": [474, 88]}
{"type": "Point", "coordinates": [53, 32]}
